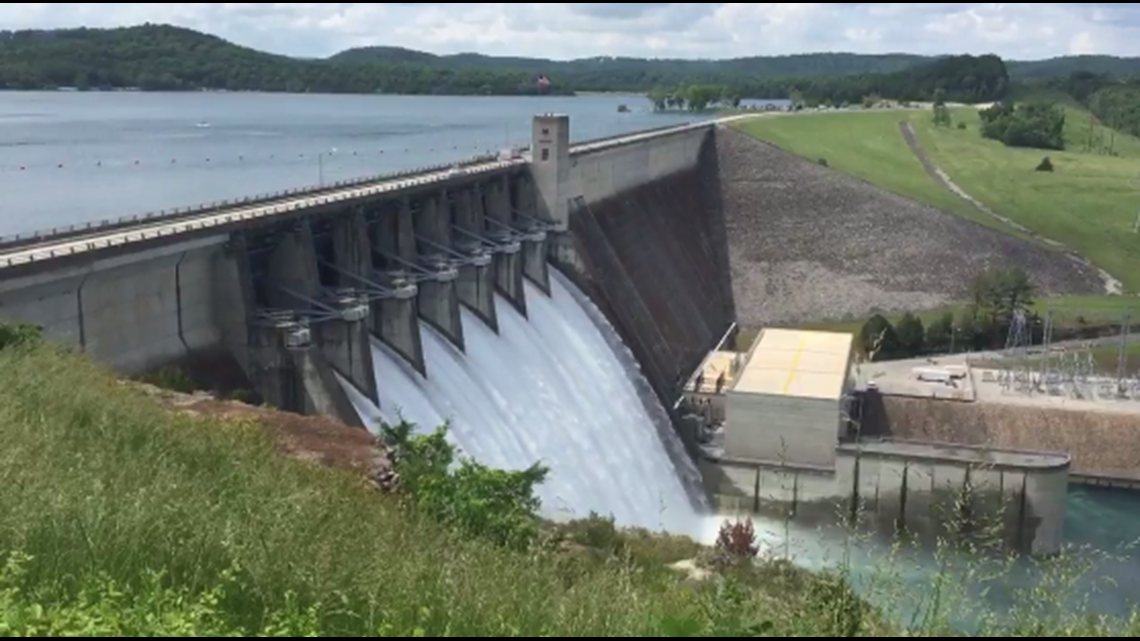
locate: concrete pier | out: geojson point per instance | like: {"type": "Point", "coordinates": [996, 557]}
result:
{"type": "Point", "coordinates": [535, 265]}
{"type": "Point", "coordinates": [477, 280]}
{"type": "Point", "coordinates": [352, 247]}
{"type": "Point", "coordinates": [396, 321]}
{"type": "Point", "coordinates": [439, 306]}
{"type": "Point", "coordinates": [347, 345]}
{"type": "Point", "coordinates": [439, 291]}
{"type": "Point", "coordinates": [322, 393]}
{"type": "Point", "coordinates": [293, 375]}
{"type": "Point", "coordinates": [509, 276]}
{"type": "Point", "coordinates": [312, 334]}
{"type": "Point", "coordinates": [292, 276]}
{"type": "Point", "coordinates": [509, 272]}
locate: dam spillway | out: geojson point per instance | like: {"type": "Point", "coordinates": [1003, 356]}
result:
{"type": "Point", "coordinates": [558, 388]}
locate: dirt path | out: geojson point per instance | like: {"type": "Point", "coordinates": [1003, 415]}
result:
{"type": "Point", "coordinates": [1112, 286]}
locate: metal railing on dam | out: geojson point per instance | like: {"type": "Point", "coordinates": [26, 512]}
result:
{"type": "Point", "coordinates": [74, 240]}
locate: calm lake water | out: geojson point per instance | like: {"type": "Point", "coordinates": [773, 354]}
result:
{"type": "Point", "coordinates": [77, 157]}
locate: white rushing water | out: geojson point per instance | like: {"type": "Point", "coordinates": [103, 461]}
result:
{"type": "Point", "coordinates": [561, 389]}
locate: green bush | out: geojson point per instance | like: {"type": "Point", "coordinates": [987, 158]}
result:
{"type": "Point", "coordinates": [476, 500]}
{"type": "Point", "coordinates": [879, 339]}
{"type": "Point", "coordinates": [170, 378]}
{"type": "Point", "coordinates": [823, 162]}
{"type": "Point", "coordinates": [18, 334]}
{"type": "Point", "coordinates": [911, 335]}
{"type": "Point", "coordinates": [1046, 165]}
{"type": "Point", "coordinates": [963, 126]}
{"type": "Point", "coordinates": [1038, 125]}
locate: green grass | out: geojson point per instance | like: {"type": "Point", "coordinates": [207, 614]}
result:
{"type": "Point", "coordinates": [1089, 203]}
{"type": "Point", "coordinates": [118, 518]}
{"type": "Point", "coordinates": [869, 146]}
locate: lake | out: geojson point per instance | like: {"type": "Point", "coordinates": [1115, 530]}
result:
{"type": "Point", "coordinates": [76, 157]}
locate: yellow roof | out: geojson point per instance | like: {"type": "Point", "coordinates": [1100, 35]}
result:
{"type": "Point", "coordinates": [797, 363]}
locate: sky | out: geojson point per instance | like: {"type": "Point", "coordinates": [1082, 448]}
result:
{"type": "Point", "coordinates": [645, 29]}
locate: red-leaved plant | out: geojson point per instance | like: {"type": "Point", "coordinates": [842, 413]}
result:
{"type": "Point", "coordinates": [737, 542]}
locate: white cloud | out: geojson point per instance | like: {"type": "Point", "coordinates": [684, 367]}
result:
{"type": "Point", "coordinates": [583, 29]}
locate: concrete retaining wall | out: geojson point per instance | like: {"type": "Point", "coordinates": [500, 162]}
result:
{"type": "Point", "coordinates": [133, 312]}
{"type": "Point", "coordinates": [1101, 444]}
{"type": "Point", "coordinates": [927, 498]}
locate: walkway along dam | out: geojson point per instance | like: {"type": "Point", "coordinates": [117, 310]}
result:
{"type": "Point", "coordinates": [557, 304]}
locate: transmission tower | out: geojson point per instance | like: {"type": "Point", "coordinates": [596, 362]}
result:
{"type": "Point", "coordinates": [1136, 225]}
{"type": "Point", "coordinates": [1122, 375]}
{"type": "Point", "coordinates": [1016, 373]}
{"type": "Point", "coordinates": [1052, 378]}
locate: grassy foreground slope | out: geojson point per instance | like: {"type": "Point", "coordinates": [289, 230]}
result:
{"type": "Point", "coordinates": [1089, 203]}
{"type": "Point", "coordinates": [131, 521]}
{"type": "Point", "coordinates": [120, 518]}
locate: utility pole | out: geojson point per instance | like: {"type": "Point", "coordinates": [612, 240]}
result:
{"type": "Point", "coordinates": [1136, 225]}
{"type": "Point", "coordinates": [321, 168]}
{"type": "Point", "coordinates": [1122, 361]}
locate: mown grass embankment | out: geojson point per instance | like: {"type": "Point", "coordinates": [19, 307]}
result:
{"type": "Point", "coordinates": [1089, 202]}
{"type": "Point", "coordinates": [121, 518]}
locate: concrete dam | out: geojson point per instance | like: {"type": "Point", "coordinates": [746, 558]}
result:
{"type": "Point", "coordinates": [550, 307]}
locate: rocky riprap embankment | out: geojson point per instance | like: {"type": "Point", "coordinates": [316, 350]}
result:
{"type": "Point", "coordinates": [810, 243]}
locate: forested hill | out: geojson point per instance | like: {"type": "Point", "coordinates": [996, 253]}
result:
{"type": "Point", "coordinates": [1063, 67]}
{"type": "Point", "coordinates": [171, 58]}
{"type": "Point", "coordinates": [605, 72]}
{"type": "Point", "coordinates": [155, 57]}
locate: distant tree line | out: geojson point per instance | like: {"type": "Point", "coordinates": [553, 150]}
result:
{"type": "Point", "coordinates": [174, 59]}
{"type": "Point", "coordinates": [1115, 102]}
{"type": "Point", "coordinates": [1039, 125]}
{"type": "Point", "coordinates": [694, 98]}
{"type": "Point", "coordinates": [996, 295]}
{"type": "Point", "coordinates": [967, 79]}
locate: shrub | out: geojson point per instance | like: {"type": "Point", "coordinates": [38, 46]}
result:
{"type": "Point", "coordinates": [170, 378]}
{"type": "Point", "coordinates": [1035, 125]}
{"type": "Point", "coordinates": [242, 396]}
{"type": "Point", "coordinates": [940, 334]}
{"type": "Point", "coordinates": [18, 334]}
{"type": "Point", "coordinates": [736, 543]}
{"type": "Point", "coordinates": [843, 612]}
{"type": "Point", "coordinates": [823, 162]}
{"type": "Point", "coordinates": [879, 339]}
{"type": "Point", "coordinates": [912, 335]}
{"type": "Point", "coordinates": [1046, 165]}
{"type": "Point", "coordinates": [496, 505]}
{"type": "Point", "coordinates": [963, 126]}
